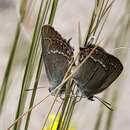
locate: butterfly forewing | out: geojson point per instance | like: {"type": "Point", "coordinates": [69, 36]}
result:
{"type": "Point", "coordinates": [57, 55]}
{"type": "Point", "coordinates": [98, 71]}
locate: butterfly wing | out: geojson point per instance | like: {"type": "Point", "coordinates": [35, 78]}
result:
{"type": "Point", "coordinates": [115, 68]}
{"type": "Point", "coordinates": [98, 71]}
{"type": "Point", "coordinates": [57, 55]}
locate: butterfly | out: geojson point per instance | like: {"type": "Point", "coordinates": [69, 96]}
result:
{"type": "Point", "coordinates": [57, 55]}
{"type": "Point", "coordinates": [98, 72]}
{"type": "Point", "coordinates": [95, 75]}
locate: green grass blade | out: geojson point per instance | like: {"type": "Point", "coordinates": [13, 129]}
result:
{"type": "Point", "coordinates": [53, 10]}
{"type": "Point", "coordinates": [5, 87]}
{"type": "Point", "coordinates": [30, 67]}
{"type": "Point", "coordinates": [51, 18]}
{"type": "Point", "coordinates": [34, 91]}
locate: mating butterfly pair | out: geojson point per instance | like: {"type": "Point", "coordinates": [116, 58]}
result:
{"type": "Point", "coordinates": [95, 74]}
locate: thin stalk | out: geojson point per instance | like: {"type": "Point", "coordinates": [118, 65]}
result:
{"type": "Point", "coordinates": [90, 27]}
{"type": "Point", "coordinates": [66, 113]}
{"type": "Point", "coordinates": [56, 96]}
{"type": "Point", "coordinates": [28, 73]}
{"type": "Point", "coordinates": [67, 95]}
{"type": "Point", "coordinates": [45, 12]}
{"type": "Point", "coordinates": [34, 92]}
{"type": "Point", "coordinates": [107, 8]}
{"type": "Point", "coordinates": [102, 26]}
{"type": "Point", "coordinates": [53, 10]}
{"type": "Point", "coordinates": [24, 114]}
{"type": "Point", "coordinates": [5, 87]}
{"type": "Point", "coordinates": [70, 114]}
{"type": "Point", "coordinates": [68, 108]}
{"type": "Point", "coordinates": [97, 17]}
{"type": "Point", "coordinates": [102, 15]}
{"type": "Point", "coordinates": [56, 115]}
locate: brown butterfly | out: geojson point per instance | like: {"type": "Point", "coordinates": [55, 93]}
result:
{"type": "Point", "coordinates": [57, 55]}
{"type": "Point", "coordinates": [95, 75]}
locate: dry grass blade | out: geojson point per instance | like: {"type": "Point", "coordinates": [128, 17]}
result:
{"type": "Point", "coordinates": [44, 16]}
{"type": "Point", "coordinates": [21, 116]}
{"type": "Point", "coordinates": [5, 87]}
{"type": "Point", "coordinates": [56, 115]}
{"type": "Point", "coordinates": [29, 70]}
{"type": "Point", "coordinates": [44, 124]}
{"type": "Point", "coordinates": [102, 9]}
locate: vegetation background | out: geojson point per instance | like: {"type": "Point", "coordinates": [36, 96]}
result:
{"type": "Point", "coordinates": [87, 115]}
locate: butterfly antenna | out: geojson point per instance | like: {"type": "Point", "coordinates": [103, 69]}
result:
{"type": "Point", "coordinates": [91, 40]}
{"type": "Point", "coordinates": [68, 41]}
{"type": "Point", "coordinates": [108, 105]}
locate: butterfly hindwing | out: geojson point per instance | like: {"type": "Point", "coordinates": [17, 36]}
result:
{"type": "Point", "coordinates": [114, 70]}
{"type": "Point", "coordinates": [98, 71]}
